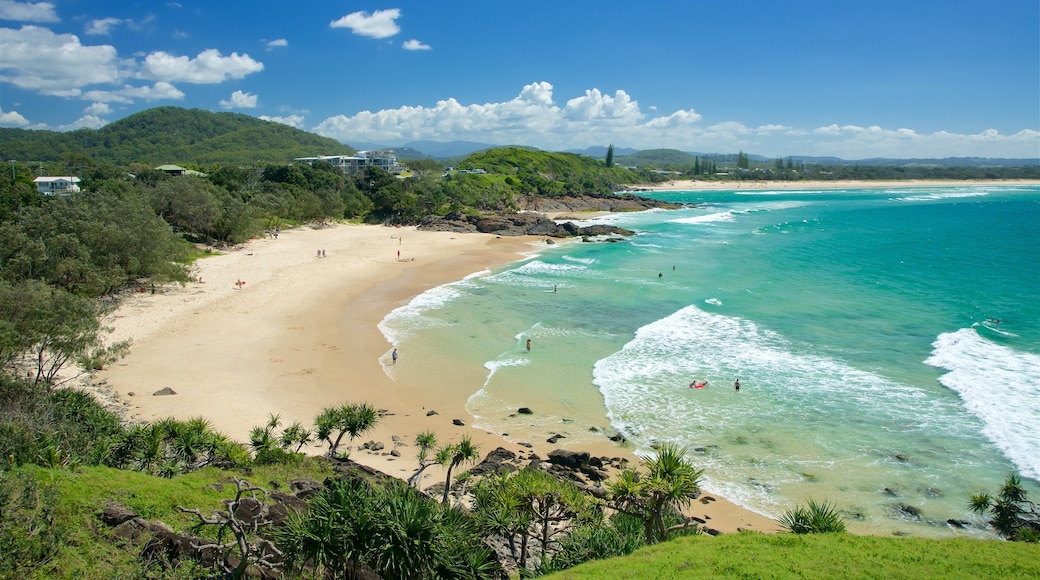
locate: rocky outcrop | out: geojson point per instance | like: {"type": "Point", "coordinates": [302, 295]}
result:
{"type": "Point", "coordinates": [614, 203]}
{"type": "Point", "coordinates": [515, 224]}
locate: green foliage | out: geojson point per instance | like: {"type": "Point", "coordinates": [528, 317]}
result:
{"type": "Point", "coordinates": [1011, 513]}
{"type": "Point", "coordinates": [667, 484]}
{"type": "Point", "coordinates": [453, 455]}
{"type": "Point", "coordinates": [30, 532]}
{"type": "Point", "coordinates": [620, 537]}
{"type": "Point", "coordinates": [753, 555]}
{"type": "Point", "coordinates": [813, 518]}
{"type": "Point", "coordinates": [173, 135]}
{"type": "Point", "coordinates": [392, 529]}
{"type": "Point", "coordinates": [169, 447]}
{"type": "Point", "coordinates": [535, 506]}
{"type": "Point", "coordinates": [550, 174]}
{"type": "Point", "coordinates": [333, 423]}
{"type": "Point", "coordinates": [65, 427]}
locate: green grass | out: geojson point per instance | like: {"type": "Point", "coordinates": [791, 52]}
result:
{"type": "Point", "coordinates": [89, 549]}
{"type": "Point", "coordinates": [753, 555]}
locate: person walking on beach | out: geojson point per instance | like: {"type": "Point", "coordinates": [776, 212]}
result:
{"type": "Point", "coordinates": [736, 385]}
{"type": "Point", "coordinates": [393, 355]}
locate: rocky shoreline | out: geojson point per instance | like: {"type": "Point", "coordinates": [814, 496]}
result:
{"type": "Point", "coordinates": [533, 221]}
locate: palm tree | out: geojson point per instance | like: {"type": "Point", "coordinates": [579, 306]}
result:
{"type": "Point", "coordinates": [425, 442]}
{"type": "Point", "coordinates": [347, 419]}
{"type": "Point", "coordinates": [453, 455]}
{"type": "Point", "coordinates": [669, 484]}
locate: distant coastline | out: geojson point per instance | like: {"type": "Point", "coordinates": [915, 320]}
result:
{"type": "Point", "coordinates": [699, 185]}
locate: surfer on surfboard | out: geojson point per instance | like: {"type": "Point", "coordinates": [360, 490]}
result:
{"type": "Point", "coordinates": [696, 385]}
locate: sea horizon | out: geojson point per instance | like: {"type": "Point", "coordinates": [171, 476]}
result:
{"type": "Point", "coordinates": [887, 342]}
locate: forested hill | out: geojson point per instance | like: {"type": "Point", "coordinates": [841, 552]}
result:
{"type": "Point", "coordinates": [172, 135]}
{"type": "Point", "coordinates": [550, 173]}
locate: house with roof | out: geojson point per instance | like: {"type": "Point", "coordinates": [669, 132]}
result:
{"type": "Point", "coordinates": [178, 170]}
{"type": "Point", "coordinates": [351, 164]}
{"type": "Point", "coordinates": [63, 185]}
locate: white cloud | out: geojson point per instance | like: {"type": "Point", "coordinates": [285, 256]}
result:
{"type": "Point", "coordinates": [98, 109]}
{"type": "Point", "coordinates": [84, 122]}
{"type": "Point", "coordinates": [37, 59]}
{"type": "Point", "coordinates": [277, 43]}
{"type": "Point", "coordinates": [28, 11]}
{"type": "Point", "coordinates": [103, 26]}
{"type": "Point", "coordinates": [159, 91]}
{"type": "Point", "coordinates": [12, 119]}
{"type": "Point", "coordinates": [379, 24]}
{"type": "Point", "coordinates": [415, 45]}
{"type": "Point", "coordinates": [533, 118]}
{"type": "Point", "coordinates": [239, 100]}
{"type": "Point", "coordinates": [209, 67]}
{"type": "Point", "coordinates": [291, 120]}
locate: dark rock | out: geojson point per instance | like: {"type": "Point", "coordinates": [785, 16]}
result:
{"type": "Point", "coordinates": [514, 224]}
{"type": "Point", "coordinates": [377, 446]}
{"type": "Point", "coordinates": [304, 488]}
{"type": "Point", "coordinates": [556, 437]}
{"type": "Point", "coordinates": [395, 453]}
{"type": "Point", "coordinates": [163, 392]}
{"type": "Point", "coordinates": [115, 514]}
{"type": "Point", "coordinates": [249, 511]}
{"type": "Point", "coordinates": [566, 458]}
{"type": "Point", "coordinates": [616, 438]}
{"type": "Point", "coordinates": [431, 413]}
{"type": "Point", "coordinates": [525, 411]}
{"type": "Point", "coordinates": [958, 523]}
{"type": "Point", "coordinates": [890, 492]}
{"type": "Point", "coordinates": [525, 444]}
{"type": "Point", "coordinates": [499, 461]}
{"type": "Point", "coordinates": [712, 532]}
{"type": "Point", "coordinates": [596, 462]}
{"type": "Point", "coordinates": [910, 510]}
{"type": "Point", "coordinates": [458, 422]}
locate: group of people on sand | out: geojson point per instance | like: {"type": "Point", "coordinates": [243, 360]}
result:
{"type": "Point", "coordinates": [702, 384]}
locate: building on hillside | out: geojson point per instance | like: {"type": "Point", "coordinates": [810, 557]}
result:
{"type": "Point", "coordinates": [178, 170]}
{"type": "Point", "coordinates": [56, 185]}
{"type": "Point", "coordinates": [351, 164]}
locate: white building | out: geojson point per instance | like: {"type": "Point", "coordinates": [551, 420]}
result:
{"type": "Point", "coordinates": [57, 185]}
{"type": "Point", "coordinates": [351, 164]}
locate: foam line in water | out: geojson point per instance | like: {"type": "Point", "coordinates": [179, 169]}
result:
{"type": "Point", "coordinates": [999, 385]}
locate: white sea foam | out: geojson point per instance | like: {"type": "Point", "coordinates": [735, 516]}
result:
{"type": "Point", "coordinates": [402, 321]}
{"type": "Point", "coordinates": [999, 385]}
{"type": "Point", "coordinates": [714, 301]}
{"type": "Point", "coordinates": [724, 216]}
{"type": "Point", "coordinates": [918, 195]}
{"type": "Point", "coordinates": [586, 261]}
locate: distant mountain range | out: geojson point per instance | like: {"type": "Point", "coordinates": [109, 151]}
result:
{"type": "Point", "coordinates": [444, 150]}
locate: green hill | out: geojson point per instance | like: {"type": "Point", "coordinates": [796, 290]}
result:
{"type": "Point", "coordinates": [534, 171]}
{"type": "Point", "coordinates": [173, 135]}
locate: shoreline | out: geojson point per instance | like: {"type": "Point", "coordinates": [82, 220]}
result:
{"type": "Point", "coordinates": [302, 333]}
{"type": "Point", "coordinates": [698, 185]}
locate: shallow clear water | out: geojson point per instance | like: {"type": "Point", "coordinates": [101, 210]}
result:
{"type": "Point", "coordinates": [861, 324]}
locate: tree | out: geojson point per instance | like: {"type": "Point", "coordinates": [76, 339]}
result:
{"type": "Point", "coordinates": [241, 518]}
{"type": "Point", "coordinates": [451, 456]}
{"type": "Point", "coordinates": [669, 484]}
{"type": "Point", "coordinates": [392, 529]}
{"type": "Point", "coordinates": [1011, 513]}
{"type": "Point", "coordinates": [347, 419]}
{"type": "Point", "coordinates": [534, 505]}
{"type": "Point", "coordinates": [424, 442]}
{"type": "Point", "coordinates": [610, 155]}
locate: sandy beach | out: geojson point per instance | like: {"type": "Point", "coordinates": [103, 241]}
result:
{"type": "Point", "coordinates": [698, 185]}
{"type": "Point", "coordinates": [289, 326]}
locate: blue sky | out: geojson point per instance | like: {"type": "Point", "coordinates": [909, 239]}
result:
{"type": "Point", "coordinates": [851, 79]}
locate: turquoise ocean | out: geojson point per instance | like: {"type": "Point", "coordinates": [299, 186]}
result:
{"type": "Point", "coordinates": [861, 323]}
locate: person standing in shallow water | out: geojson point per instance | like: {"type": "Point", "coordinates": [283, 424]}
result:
{"type": "Point", "coordinates": [393, 355]}
{"type": "Point", "coordinates": [529, 345]}
{"type": "Point", "coordinates": [736, 385]}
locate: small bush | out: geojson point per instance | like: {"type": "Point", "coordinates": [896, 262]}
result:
{"type": "Point", "coordinates": [813, 518]}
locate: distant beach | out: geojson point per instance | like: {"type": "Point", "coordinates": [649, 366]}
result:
{"type": "Point", "coordinates": [700, 185]}
{"type": "Point", "coordinates": [290, 325]}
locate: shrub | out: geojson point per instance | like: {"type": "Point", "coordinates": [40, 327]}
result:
{"type": "Point", "coordinates": [813, 518]}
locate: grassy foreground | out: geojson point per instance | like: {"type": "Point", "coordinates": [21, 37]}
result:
{"type": "Point", "coordinates": [87, 549]}
{"type": "Point", "coordinates": [754, 555]}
